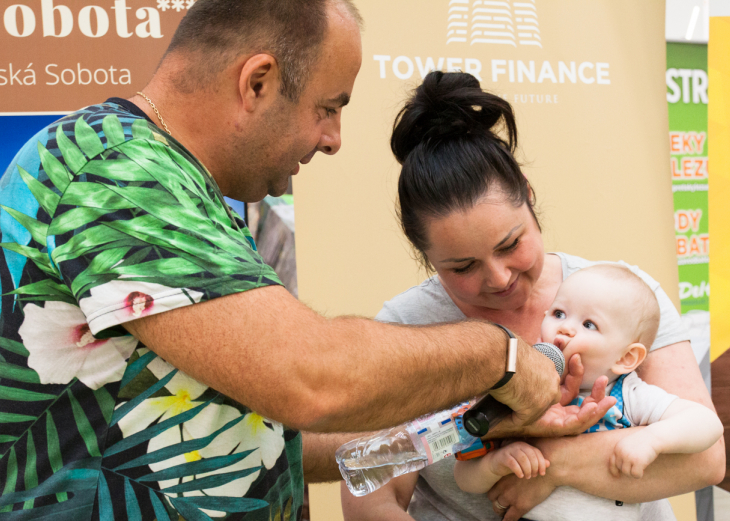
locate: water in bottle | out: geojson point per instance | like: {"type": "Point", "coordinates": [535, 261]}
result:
{"type": "Point", "coordinates": [369, 462]}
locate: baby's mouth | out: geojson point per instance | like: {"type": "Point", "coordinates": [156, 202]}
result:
{"type": "Point", "coordinates": [560, 342]}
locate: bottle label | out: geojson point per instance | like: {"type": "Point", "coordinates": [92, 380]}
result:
{"type": "Point", "coordinates": [439, 439]}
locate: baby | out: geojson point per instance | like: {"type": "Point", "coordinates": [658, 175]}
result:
{"type": "Point", "coordinates": [609, 316]}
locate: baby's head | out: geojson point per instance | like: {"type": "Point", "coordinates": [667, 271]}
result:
{"type": "Point", "coordinates": [608, 315]}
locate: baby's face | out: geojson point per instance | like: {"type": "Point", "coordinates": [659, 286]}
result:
{"type": "Point", "coordinates": [590, 316]}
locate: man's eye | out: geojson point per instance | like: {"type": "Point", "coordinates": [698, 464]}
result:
{"type": "Point", "coordinates": [330, 112]}
{"type": "Point", "coordinates": [589, 325]}
{"type": "Point", "coordinates": [559, 314]}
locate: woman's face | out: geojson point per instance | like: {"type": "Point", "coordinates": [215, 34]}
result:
{"type": "Point", "coordinates": [490, 255]}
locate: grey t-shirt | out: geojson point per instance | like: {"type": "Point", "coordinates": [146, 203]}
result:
{"type": "Point", "coordinates": [436, 496]}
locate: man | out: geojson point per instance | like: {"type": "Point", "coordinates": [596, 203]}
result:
{"type": "Point", "coordinates": [141, 330]}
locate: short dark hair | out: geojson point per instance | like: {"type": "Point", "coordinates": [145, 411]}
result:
{"type": "Point", "coordinates": [218, 31]}
{"type": "Point", "coordinates": [446, 139]}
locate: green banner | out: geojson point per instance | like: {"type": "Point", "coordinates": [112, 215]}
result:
{"type": "Point", "coordinates": [687, 101]}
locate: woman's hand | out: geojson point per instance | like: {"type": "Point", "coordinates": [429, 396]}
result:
{"type": "Point", "coordinates": [519, 496]}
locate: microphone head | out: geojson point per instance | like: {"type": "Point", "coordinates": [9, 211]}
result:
{"type": "Point", "coordinates": [554, 354]}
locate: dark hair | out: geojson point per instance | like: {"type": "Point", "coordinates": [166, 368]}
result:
{"type": "Point", "coordinates": [447, 142]}
{"type": "Point", "coordinates": [218, 31]}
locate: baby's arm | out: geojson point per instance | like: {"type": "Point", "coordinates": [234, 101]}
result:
{"type": "Point", "coordinates": [685, 427]}
{"type": "Point", "coordinates": [478, 475]}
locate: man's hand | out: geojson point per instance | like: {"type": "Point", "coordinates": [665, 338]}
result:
{"type": "Point", "coordinates": [531, 391]}
{"type": "Point", "coordinates": [563, 419]}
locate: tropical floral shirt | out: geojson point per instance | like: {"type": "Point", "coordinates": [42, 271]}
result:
{"type": "Point", "coordinates": [104, 220]}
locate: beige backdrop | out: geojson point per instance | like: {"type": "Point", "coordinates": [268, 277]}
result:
{"type": "Point", "coordinates": [597, 154]}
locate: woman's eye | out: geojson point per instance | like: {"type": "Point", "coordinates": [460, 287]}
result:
{"type": "Point", "coordinates": [511, 247]}
{"type": "Point", "coordinates": [464, 269]}
{"type": "Point", "coordinates": [589, 325]}
{"type": "Point", "coordinates": [559, 314]}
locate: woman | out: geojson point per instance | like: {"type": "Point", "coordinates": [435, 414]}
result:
{"type": "Point", "coordinates": [469, 212]}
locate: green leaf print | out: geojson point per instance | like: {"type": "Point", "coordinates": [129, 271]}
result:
{"type": "Point", "coordinates": [54, 169]}
{"type": "Point", "coordinates": [84, 426]}
{"type": "Point", "coordinates": [47, 198]}
{"type": "Point", "coordinates": [71, 154]}
{"type": "Point", "coordinates": [30, 474]}
{"type": "Point", "coordinates": [113, 130]}
{"type": "Point", "coordinates": [87, 139]}
{"type": "Point", "coordinates": [37, 229]}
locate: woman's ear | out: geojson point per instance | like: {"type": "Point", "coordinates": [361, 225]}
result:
{"type": "Point", "coordinates": [631, 359]}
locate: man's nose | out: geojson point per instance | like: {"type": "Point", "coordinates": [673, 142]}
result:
{"type": "Point", "coordinates": [330, 140]}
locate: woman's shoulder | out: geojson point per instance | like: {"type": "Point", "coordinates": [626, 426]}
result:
{"type": "Point", "coordinates": [426, 303]}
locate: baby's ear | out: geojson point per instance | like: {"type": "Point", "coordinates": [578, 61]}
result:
{"type": "Point", "coordinates": [632, 358]}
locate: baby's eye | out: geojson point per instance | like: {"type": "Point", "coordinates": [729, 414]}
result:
{"type": "Point", "coordinates": [558, 313]}
{"type": "Point", "coordinates": [589, 325]}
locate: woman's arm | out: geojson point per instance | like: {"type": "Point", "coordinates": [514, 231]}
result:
{"type": "Point", "coordinates": [388, 502]}
{"type": "Point", "coordinates": [583, 462]}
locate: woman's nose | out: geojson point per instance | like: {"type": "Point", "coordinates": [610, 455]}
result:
{"type": "Point", "coordinates": [499, 277]}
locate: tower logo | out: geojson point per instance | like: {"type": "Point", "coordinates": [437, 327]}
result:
{"type": "Point", "coordinates": [503, 22]}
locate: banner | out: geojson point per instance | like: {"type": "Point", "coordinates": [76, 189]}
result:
{"type": "Point", "coordinates": [687, 97]}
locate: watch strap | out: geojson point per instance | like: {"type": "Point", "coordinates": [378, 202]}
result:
{"type": "Point", "coordinates": [511, 365]}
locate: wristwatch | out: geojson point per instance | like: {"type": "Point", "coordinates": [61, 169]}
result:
{"type": "Point", "coordinates": [511, 358]}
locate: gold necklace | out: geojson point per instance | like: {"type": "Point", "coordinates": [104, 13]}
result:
{"type": "Point", "coordinates": [157, 112]}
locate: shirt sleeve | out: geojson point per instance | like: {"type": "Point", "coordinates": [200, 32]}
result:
{"type": "Point", "coordinates": [644, 403]}
{"type": "Point", "coordinates": [141, 229]}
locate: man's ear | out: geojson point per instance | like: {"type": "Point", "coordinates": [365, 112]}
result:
{"type": "Point", "coordinates": [632, 358]}
{"type": "Point", "coordinates": [259, 81]}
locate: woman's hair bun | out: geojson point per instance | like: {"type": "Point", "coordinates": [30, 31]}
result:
{"type": "Point", "coordinates": [447, 106]}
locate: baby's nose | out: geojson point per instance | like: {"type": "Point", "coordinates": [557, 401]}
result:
{"type": "Point", "coordinates": [566, 329]}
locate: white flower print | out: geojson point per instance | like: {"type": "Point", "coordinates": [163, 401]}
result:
{"type": "Point", "coordinates": [178, 5]}
{"type": "Point", "coordinates": [189, 3]}
{"type": "Point", "coordinates": [62, 347]}
{"type": "Point", "coordinates": [163, 5]}
{"type": "Point", "coordinates": [253, 432]}
{"type": "Point", "coordinates": [121, 300]}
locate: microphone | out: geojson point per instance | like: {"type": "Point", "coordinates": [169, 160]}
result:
{"type": "Point", "coordinates": [488, 412]}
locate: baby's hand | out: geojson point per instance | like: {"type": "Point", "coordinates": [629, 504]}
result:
{"type": "Point", "coordinates": [632, 455]}
{"type": "Point", "coordinates": [520, 459]}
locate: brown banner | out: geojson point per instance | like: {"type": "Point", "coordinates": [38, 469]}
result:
{"type": "Point", "coordinates": [60, 55]}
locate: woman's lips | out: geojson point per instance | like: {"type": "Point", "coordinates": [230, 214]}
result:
{"type": "Point", "coordinates": [508, 291]}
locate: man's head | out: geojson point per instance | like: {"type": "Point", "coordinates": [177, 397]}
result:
{"type": "Point", "coordinates": [215, 32]}
{"type": "Point", "coordinates": [607, 315]}
{"type": "Point", "coordinates": [263, 84]}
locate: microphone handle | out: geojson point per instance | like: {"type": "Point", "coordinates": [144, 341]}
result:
{"type": "Point", "coordinates": [484, 415]}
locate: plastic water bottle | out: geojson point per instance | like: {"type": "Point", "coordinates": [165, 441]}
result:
{"type": "Point", "coordinates": [369, 462]}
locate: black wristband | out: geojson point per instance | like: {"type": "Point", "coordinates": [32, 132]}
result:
{"type": "Point", "coordinates": [511, 358]}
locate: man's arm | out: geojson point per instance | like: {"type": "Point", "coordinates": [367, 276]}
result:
{"type": "Point", "coordinates": [268, 351]}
